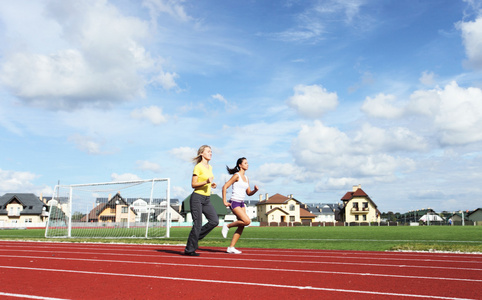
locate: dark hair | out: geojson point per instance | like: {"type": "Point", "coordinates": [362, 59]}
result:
{"type": "Point", "coordinates": [236, 168]}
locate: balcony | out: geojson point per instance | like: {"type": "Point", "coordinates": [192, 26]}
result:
{"type": "Point", "coordinates": [14, 214]}
{"type": "Point", "coordinates": [358, 211]}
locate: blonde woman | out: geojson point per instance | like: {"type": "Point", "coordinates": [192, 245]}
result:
{"type": "Point", "coordinates": [202, 181]}
{"type": "Point", "coordinates": [241, 188]}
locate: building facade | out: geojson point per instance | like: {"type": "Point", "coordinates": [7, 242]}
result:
{"type": "Point", "coordinates": [22, 209]}
{"type": "Point", "coordinates": [278, 208]}
{"type": "Point", "coordinates": [358, 207]}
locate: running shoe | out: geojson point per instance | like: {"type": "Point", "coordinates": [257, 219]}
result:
{"type": "Point", "coordinates": [225, 230]}
{"type": "Point", "coordinates": [233, 250]}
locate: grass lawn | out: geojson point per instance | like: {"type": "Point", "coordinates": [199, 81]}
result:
{"type": "Point", "coordinates": [420, 238]}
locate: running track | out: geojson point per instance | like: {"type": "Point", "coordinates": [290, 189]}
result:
{"type": "Point", "coordinates": [38, 270]}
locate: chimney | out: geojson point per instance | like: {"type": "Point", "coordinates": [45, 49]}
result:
{"type": "Point", "coordinates": [266, 197]}
{"type": "Point", "coordinates": [356, 187]}
{"type": "Point", "coordinates": [260, 197]}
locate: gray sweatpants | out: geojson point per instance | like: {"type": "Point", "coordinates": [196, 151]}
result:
{"type": "Point", "coordinates": [200, 205]}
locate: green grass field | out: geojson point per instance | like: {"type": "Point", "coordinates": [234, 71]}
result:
{"type": "Point", "coordinates": [424, 238]}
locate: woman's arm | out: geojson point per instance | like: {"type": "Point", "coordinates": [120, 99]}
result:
{"type": "Point", "coordinates": [230, 182]}
{"type": "Point", "coordinates": [195, 184]}
{"type": "Point", "coordinates": [250, 192]}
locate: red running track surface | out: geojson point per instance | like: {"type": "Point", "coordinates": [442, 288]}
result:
{"type": "Point", "coordinates": [39, 270]}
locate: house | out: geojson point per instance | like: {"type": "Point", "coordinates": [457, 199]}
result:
{"type": "Point", "coordinates": [306, 216]}
{"type": "Point", "coordinates": [115, 210]}
{"type": "Point", "coordinates": [457, 218]}
{"type": "Point", "coordinates": [216, 201]}
{"type": "Point", "coordinates": [22, 208]}
{"type": "Point", "coordinates": [324, 212]}
{"type": "Point", "coordinates": [358, 207]}
{"type": "Point", "coordinates": [172, 211]}
{"type": "Point", "coordinates": [475, 216]}
{"type": "Point", "coordinates": [279, 208]}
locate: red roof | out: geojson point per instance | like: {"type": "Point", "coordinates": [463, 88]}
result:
{"type": "Point", "coordinates": [358, 193]}
{"type": "Point", "coordinates": [275, 199]}
{"type": "Point", "coordinates": [304, 213]}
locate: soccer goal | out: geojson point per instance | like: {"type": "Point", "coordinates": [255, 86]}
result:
{"type": "Point", "coordinates": [126, 209]}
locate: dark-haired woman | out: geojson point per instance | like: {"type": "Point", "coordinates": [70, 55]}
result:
{"type": "Point", "coordinates": [200, 201]}
{"type": "Point", "coordinates": [241, 188]}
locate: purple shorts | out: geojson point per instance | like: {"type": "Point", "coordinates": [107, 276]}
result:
{"type": "Point", "coordinates": [235, 204]}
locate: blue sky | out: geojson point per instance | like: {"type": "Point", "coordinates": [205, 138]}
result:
{"type": "Point", "coordinates": [318, 95]}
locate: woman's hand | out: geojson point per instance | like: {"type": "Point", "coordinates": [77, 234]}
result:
{"type": "Point", "coordinates": [227, 204]}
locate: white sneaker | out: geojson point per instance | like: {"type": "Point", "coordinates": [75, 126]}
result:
{"type": "Point", "coordinates": [225, 230]}
{"type": "Point", "coordinates": [233, 250]}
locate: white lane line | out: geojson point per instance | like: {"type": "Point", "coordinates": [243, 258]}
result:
{"type": "Point", "coordinates": [306, 253]}
{"type": "Point", "coordinates": [284, 255]}
{"type": "Point", "coordinates": [388, 255]}
{"type": "Point", "coordinates": [240, 283]}
{"type": "Point", "coordinates": [28, 296]}
{"type": "Point", "coordinates": [247, 268]}
{"type": "Point", "coordinates": [231, 258]}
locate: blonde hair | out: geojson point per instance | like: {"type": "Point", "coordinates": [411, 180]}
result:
{"type": "Point", "coordinates": [200, 151]}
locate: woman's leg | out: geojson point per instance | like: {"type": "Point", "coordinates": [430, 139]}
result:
{"type": "Point", "coordinates": [196, 213]}
{"type": "Point", "coordinates": [243, 220]}
{"type": "Point", "coordinates": [212, 216]}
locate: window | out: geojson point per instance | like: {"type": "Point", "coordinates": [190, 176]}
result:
{"type": "Point", "coordinates": [292, 207]}
{"type": "Point", "coordinates": [292, 218]}
{"type": "Point", "coordinates": [356, 217]}
{"type": "Point", "coordinates": [124, 209]}
{"type": "Point", "coordinates": [364, 217]}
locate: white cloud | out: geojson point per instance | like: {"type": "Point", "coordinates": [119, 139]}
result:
{"type": "Point", "coordinates": [472, 39]}
{"type": "Point", "coordinates": [427, 78]}
{"type": "Point", "coordinates": [86, 144]}
{"type": "Point", "coordinates": [179, 193]}
{"type": "Point", "coordinates": [328, 151]}
{"type": "Point", "coordinates": [184, 153]}
{"type": "Point", "coordinates": [21, 182]}
{"type": "Point", "coordinates": [372, 139]}
{"type": "Point", "coordinates": [311, 24]}
{"type": "Point", "coordinates": [152, 113]}
{"type": "Point", "coordinates": [382, 106]}
{"type": "Point", "coordinates": [313, 101]}
{"type": "Point", "coordinates": [335, 183]}
{"type": "Point", "coordinates": [270, 172]}
{"type": "Point", "coordinates": [14, 181]}
{"type": "Point", "coordinates": [98, 58]}
{"type": "Point", "coordinates": [456, 112]}
{"type": "Point", "coordinates": [124, 177]}
{"type": "Point", "coordinates": [220, 98]}
{"type": "Point", "coordinates": [171, 7]}
{"type": "Point", "coordinates": [148, 166]}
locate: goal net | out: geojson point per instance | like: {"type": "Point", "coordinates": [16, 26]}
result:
{"type": "Point", "coordinates": [126, 209]}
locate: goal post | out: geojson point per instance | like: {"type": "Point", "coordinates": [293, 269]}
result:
{"type": "Point", "coordinates": [120, 209]}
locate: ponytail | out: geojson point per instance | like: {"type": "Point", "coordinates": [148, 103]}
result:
{"type": "Point", "coordinates": [236, 168]}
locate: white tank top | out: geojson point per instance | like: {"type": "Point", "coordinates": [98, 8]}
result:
{"type": "Point", "coordinates": [239, 189]}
